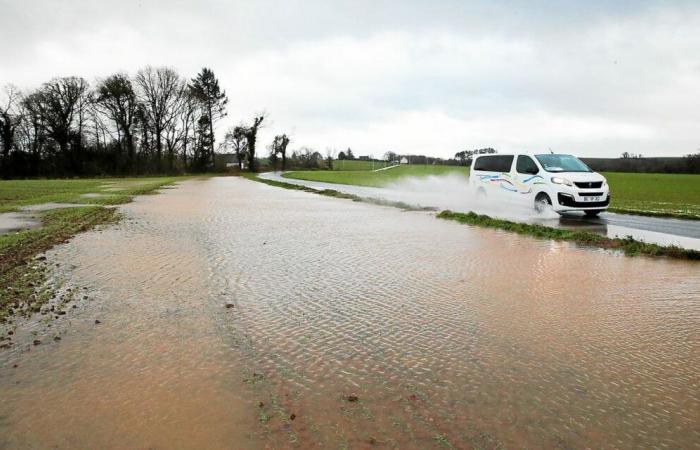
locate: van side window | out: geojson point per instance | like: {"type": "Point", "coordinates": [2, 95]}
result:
{"type": "Point", "coordinates": [494, 163]}
{"type": "Point", "coordinates": [526, 165]}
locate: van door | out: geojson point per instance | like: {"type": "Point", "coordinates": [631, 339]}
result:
{"type": "Point", "coordinates": [527, 175]}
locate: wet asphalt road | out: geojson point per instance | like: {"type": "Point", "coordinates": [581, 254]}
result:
{"type": "Point", "coordinates": [660, 230]}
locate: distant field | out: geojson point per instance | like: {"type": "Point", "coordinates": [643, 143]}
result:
{"type": "Point", "coordinates": [644, 193]}
{"type": "Point", "coordinates": [376, 179]}
{"type": "Point", "coordinates": [655, 193]}
{"type": "Point", "coordinates": [17, 193]}
{"type": "Point", "coordinates": [356, 164]}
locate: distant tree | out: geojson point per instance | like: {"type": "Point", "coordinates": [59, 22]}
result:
{"type": "Point", "coordinates": [390, 156]}
{"type": "Point", "coordinates": [342, 156]}
{"type": "Point", "coordinates": [10, 120]}
{"type": "Point", "coordinates": [692, 162]}
{"type": "Point", "coordinates": [250, 134]}
{"type": "Point", "coordinates": [161, 92]}
{"type": "Point", "coordinates": [279, 146]}
{"type": "Point", "coordinates": [205, 88]}
{"type": "Point", "coordinates": [116, 98]}
{"type": "Point", "coordinates": [62, 103]}
{"type": "Point", "coordinates": [235, 140]}
{"type": "Point", "coordinates": [349, 154]}
{"type": "Point", "coordinates": [330, 155]}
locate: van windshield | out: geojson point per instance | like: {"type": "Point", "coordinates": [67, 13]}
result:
{"type": "Point", "coordinates": [562, 163]}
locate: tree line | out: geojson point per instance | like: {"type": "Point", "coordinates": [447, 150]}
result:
{"type": "Point", "coordinates": [155, 121]}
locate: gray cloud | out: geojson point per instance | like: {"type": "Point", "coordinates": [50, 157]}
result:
{"type": "Point", "coordinates": [594, 79]}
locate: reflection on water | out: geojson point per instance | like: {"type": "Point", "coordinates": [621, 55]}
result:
{"type": "Point", "coordinates": [447, 335]}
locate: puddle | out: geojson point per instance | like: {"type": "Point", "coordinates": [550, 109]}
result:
{"type": "Point", "coordinates": [14, 221]}
{"type": "Point", "coordinates": [26, 218]}
{"type": "Point", "coordinates": [94, 195]}
{"type": "Point", "coordinates": [438, 333]}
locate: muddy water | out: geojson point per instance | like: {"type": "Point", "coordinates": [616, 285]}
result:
{"type": "Point", "coordinates": [447, 335]}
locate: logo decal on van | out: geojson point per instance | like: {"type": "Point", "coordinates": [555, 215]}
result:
{"type": "Point", "coordinates": [509, 183]}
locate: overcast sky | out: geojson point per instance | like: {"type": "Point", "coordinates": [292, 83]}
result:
{"type": "Point", "coordinates": [592, 78]}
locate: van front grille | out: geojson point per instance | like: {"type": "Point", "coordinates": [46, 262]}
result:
{"type": "Point", "coordinates": [589, 184]}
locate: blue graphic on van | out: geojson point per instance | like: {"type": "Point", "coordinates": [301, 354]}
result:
{"type": "Point", "coordinates": [510, 183]}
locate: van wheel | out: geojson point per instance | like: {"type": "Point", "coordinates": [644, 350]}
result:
{"type": "Point", "coordinates": [592, 213]}
{"type": "Point", "coordinates": [542, 202]}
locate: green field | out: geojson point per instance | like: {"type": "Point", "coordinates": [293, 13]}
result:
{"type": "Point", "coordinates": [676, 195]}
{"type": "Point", "coordinates": [17, 193]}
{"type": "Point", "coordinates": [356, 164]}
{"type": "Point", "coordinates": [656, 193]}
{"type": "Point", "coordinates": [376, 179]}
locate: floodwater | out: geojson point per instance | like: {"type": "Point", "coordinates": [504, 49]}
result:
{"type": "Point", "coordinates": [27, 217]}
{"type": "Point", "coordinates": [349, 325]}
{"type": "Point", "coordinates": [453, 192]}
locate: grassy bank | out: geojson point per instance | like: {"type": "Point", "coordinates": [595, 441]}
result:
{"type": "Point", "coordinates": [629, 246]}
{"type": "Point", "coordinates": [376, 179]}
{"type": "Point", "coordinates": [21, 275]}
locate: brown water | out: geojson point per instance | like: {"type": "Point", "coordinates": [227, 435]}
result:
{"type": "Point", "coordinates": [448, 335]}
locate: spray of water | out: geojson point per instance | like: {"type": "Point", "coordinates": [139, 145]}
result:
{"type": "Point", "coordinates": [454, 192]}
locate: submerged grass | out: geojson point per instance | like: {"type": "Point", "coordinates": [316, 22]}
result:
{"type": "Point", "coordinates": [21, 274]}
{"type": "Point", "coordinates": [14, 194]}
{"type": "Point", "coordinates": [629, 246]}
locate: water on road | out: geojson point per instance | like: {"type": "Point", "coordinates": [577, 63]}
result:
{"type": "Point", "coordinates": [230, 314]}
{"type": "Point", "coordinates": [453, 192]}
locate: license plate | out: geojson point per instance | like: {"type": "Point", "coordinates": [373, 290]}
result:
{"type": "Point", "coordinates": [591, 199]}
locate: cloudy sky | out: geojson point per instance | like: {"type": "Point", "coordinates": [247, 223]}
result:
{"type": "Point", "coordinates": [592, 78]}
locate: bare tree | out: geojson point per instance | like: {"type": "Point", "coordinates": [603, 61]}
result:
{"type": "Point", "coordinates": [250, 134]}
{"type": "Point", "coordinates": [116, 98]}
{"type": "Point", "coordinates": [279, 146]}
{"type": "Point", "coordinates": [161, 93]}
{"type": "Point", "coordinates": [10, 119]}
{"type": "Point", "coordinates": [61, 103]}
{"type": "Point", "coordinates": [330, 156]}
{"type": "Point", "coordinates": [235, 139]}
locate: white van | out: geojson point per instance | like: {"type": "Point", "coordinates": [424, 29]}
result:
{"type": "Point", "coordinates": [561, 181]}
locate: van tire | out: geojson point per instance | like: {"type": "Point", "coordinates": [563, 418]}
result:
{"type": "Point", "coordinates": [593, 212]}
{"type": "Point", "coordinates": [541, 200]}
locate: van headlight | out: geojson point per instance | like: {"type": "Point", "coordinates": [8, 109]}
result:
{"type": "Point", "coordinates": [605, 182]}
{"type": "Point", "coordinates": [559, 180]}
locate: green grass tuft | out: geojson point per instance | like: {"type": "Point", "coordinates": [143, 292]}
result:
{"type": "Point", "coordinates": [628, 245]}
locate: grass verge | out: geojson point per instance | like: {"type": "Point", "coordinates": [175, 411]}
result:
{"type": "Point", "coordinates": [22, 275]}
{"type": "Point", "coordinates": [628, 245]}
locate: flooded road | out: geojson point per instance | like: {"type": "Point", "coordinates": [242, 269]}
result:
{"type": "Point", "coordinates": [230, 314]}
{"type": "Point", "coordinates": [452, 192]}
